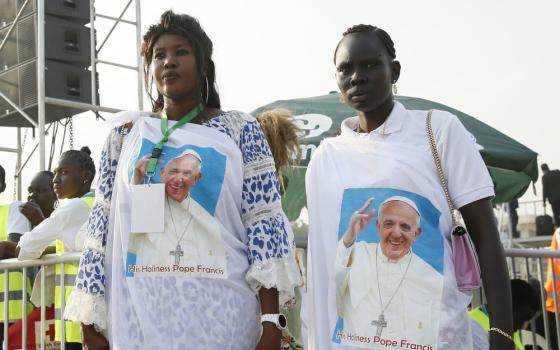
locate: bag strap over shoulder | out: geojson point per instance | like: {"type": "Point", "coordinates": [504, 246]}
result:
{"type": "Point", "coordinates": [437, 161]}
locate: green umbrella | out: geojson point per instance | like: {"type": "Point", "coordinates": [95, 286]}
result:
{"type": "Point", "coordinates": [511, 165]}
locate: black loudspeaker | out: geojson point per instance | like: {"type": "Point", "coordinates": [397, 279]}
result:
{"type": "Point", "coordinates": [67, 59]}
{"type": "Point", "coordinates": [62, 81]}
{"type": "Point", "coordinates": [67, 41]}
{"type": "Point", "coordinates": [75, 10]}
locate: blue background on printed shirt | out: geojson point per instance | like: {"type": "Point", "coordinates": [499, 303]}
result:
{"type": "Point", "coordinates": [429, 246]}
{"type": "Point", "coordinates": [208, 188]}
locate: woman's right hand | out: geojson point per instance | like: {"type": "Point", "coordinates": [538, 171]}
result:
{"type": "Point", "coordinates": [358, 222]}
{"type": "Point", "coordinates": [141, 168]}
{"type": "Point", "coordinates": [93, 340]}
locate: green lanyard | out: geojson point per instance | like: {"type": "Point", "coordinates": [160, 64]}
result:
{"type": "Point", "coordinates": [166, 132]}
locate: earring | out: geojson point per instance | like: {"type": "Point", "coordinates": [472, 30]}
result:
{"type": "Point", "coordinates": [207, 91]}
{"type": "Point", "coordinates": [394, 87]}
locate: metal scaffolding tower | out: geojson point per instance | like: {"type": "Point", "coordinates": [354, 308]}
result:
{"type": "Point", "coordinates": [42, 99]}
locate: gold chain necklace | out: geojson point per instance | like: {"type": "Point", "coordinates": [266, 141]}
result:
{"type": "Point", "coordinates": [362, 131]}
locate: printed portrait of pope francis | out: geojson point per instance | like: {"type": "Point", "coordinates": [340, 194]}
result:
{"type": "Point", "coordinates": [383, 289]}
{"type": "Point", "coordinates": [191, 235]}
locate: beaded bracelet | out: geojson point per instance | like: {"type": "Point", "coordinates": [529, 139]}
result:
{"type": "Point", "coordinates": [499, 331]}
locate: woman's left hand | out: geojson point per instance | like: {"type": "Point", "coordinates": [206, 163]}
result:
{"type": "Point", "coordinates": [270, 338]}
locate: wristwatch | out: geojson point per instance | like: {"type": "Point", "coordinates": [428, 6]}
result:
{"type": "Point", "coordinates": [278, 319]}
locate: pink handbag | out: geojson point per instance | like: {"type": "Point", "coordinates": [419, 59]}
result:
{"type": "Point", "coordinates": [465, 258]}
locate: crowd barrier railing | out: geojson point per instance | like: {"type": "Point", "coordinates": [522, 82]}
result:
{"type": "Point", "coordinates": [524, 264]}
{"type": "Point", "coordinates": [531, 265]}
{"type": "Point", "coordinates": [8, 265]}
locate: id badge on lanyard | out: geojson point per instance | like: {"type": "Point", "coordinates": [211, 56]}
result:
{"type": "Point", "coordinates": [148, 203]}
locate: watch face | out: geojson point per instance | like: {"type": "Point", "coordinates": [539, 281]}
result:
{"type": "Point", "coordinates": [282, 321]}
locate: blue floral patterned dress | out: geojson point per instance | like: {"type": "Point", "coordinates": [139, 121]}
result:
{"type": "Point", "coordinates": [169, 312]}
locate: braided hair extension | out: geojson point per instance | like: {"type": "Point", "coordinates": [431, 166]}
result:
{"type": "Point", "coordinates": [82, 158]}
{"type": "Point", "coordinates": [366, 28]}
{"type": "Point", "coordinates": [189, 27]}
{"type": "Point", "coordinates": [282, 135]}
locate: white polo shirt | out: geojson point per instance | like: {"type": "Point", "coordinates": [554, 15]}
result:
{"type": "Point", "coordinates": [394, 156]}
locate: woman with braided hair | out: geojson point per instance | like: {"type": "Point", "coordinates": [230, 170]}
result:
{"type": "Point", "coordinates": [222, 163]}
{"type": "Point", "coordinates": [385, 152]}
{"type": "Point", "coordinates": [72, 182]}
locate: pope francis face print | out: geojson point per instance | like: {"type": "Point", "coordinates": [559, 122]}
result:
{"type": "Point", "coordinates": [180, 174]}
{"type": "Point", "coordinates": [397, 223]}
{"type": "Point", "coordinates": [398, 228]}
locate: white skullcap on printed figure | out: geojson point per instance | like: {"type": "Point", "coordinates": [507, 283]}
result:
{"type": "Point", "coordinates": [401, 199]}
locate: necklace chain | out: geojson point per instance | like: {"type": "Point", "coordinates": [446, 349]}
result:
{"type": "Point", "coordinates": [173, 221]}
{"type": "Point", "coordinates": [396, 289]}
{"type": "Point", "coordinates": [360, 130]}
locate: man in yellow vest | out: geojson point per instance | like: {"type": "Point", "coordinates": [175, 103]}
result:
{"type": "Point", "coordinates": [525, 301]}
{"type": "Point", "coordinates": [23, 216]}
{"type": "Point", "coordinates": [16, 219]}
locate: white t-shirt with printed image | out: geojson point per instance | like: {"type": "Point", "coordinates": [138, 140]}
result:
{"type": "Point", "coordinates": [398, 159]}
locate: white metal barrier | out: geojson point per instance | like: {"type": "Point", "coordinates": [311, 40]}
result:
{"type": "Point", "coordinates": [523, 263]}
{"type": "Point", "coordinates": [13, 264]}
{"type": "Point", "coordinates": [529, 264]}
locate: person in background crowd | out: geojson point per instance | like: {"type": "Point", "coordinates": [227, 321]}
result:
{"type": "Point", "coordinates": [2, 179]}
{"type": "Point", "coordinates": [552, 284]}
{"type": "Point", "coordinates": [41, 198]}
{"type": "Point", "coordinates": [282, 135]}
{"type": "Point", "coordinates": [513, 217]}
{"type": "Point", "coordinates": [551, 191]}
{"type": "Point", "coordinates": [16, 219]}
{"type": "Point", "coordinates": [525, 304]}
{"type": "Point", "coordinates": [538, 324]}
{"type": "Point", "coordinates": [40, 204]}
{"type": "Point", "coordinates": [72, 184]}
{"type": "Point", "coordinates": [11, 220]}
